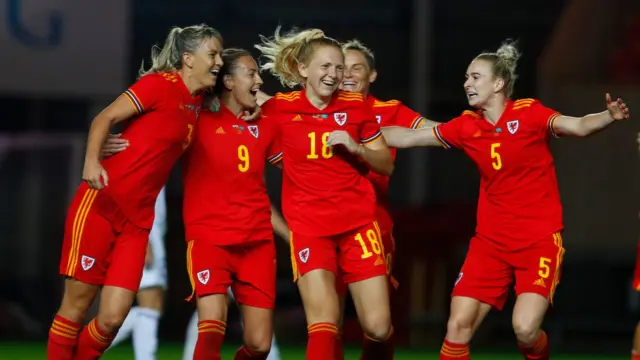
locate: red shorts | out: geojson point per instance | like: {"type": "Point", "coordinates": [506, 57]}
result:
{"type": "Point", "coordinates": [389, 245]}
{"type": "Point", "coordinates": [357, 254]}
{"type": "Point", "coordinates": [249, 269]}
{"type": "Point", "coordinates": [487, 272]}
{"type": "Point", "coordinates": [636, 275]}
{"type": "Point", "coordinates": [101, 246]}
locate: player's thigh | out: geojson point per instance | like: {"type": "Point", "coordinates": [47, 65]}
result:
{"type": "Point", "coordinates": [485, 275]}
{"type": "Point", "coordinates": [465, 316]}
{"type": "Point", "coordinates": [528, 314]}
{"type": "Point", "coordinates": [127, 257]}
{"type": "Point", "coordinates": [310, 253]}
{"type": "Point", "coordinates": [255, 283]}
{"type": "Point", "coordinates": [258, 327]}
{"type": "Point", "coordinates": [210, 268]}
{"type": "Point", "coordinates": [538, 267]}
{"type": "Point", "coordinates": [115, 303]}
{"type": "Point", "coordinates": [77, 299]}
{"type": "Point", "coordinates": [371, 300]}
{"type": "Point", "coordinates": [362, 254]}
{"type": "Point", "coordinates": [88, 239]}
{"type": "Point", "coordinates": [319, 297]}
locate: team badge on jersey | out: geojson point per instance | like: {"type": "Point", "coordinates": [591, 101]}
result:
{"type": "Point", "coordinates": [513, 126]}
{"type": "Point", "coordinates": [203, 276]}
{"type": "Point", "coordinates": [253, 129]}
{"type": "Point", "coordinates": [87, 262]}
{"type": "Point", "coordinates": [340, 118]}
{"type": "Point", "coordinates": [304, 255]}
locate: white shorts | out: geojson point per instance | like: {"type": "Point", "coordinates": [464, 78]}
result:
{"type": "Point", "coordinates": [156, 274]}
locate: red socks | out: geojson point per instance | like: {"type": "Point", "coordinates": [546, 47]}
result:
{"type": "Point", "coordinates": [93, 342]}
{"type": "Point", "coordinates": [210, 337]}
{"type": "Point", "coordinates": [451, 351]}
{"type": "Point", "coordinates": [538, 351]}
{"type": "Point", "coordinates": [244, 353]}
{"type": "Point", "coordinates": [377, 350]}
{"type": "Point", "coordinates": [63, 338]}
{"type": "Point", "coordinates": [635, 355]}
{"type": "Point", "coordinates": [339, 346]}
{"type": "Point", "coordinates": [321, 344]}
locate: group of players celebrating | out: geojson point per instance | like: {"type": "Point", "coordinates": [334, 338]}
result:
{"type": "Point", "coordinates": [335, 144]}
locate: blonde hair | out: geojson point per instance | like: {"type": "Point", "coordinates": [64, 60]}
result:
{"type": "Point", "coordinates": [179, 41]}
{"type": "Point", "coordinates": [283, 53]}
{"type": "Point", "coordinates": [504, 62]}
{"type": "Point", "coordinates": [356, 45]}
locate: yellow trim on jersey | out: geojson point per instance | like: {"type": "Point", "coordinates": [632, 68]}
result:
{"type": "Point", "coordinates": [371, 139]}
{"type": "Point", "coordinates": [471, 113]}
{"type": "Point", "coordinates": [378, 103]}
{"type": "Point", "coordinates": [294, 95]}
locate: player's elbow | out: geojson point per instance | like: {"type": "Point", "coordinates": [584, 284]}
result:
{"type": "Point", "coordinates": [387, 166]}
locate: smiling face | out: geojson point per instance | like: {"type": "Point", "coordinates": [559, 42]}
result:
{"type": "Point", "coordinates": [205, 62]}
{"type": "Point", "coordinates": [481, 85]}
{"type": "Point", "coordinates": [358, 76]}
{"type": "Point", "coordinates": [325, 70]}
{"type": "Point", "coordinates": [244, 82]}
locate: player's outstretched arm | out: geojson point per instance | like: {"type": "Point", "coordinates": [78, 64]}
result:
{"type": "Point", "coordinates": [280, 226]}
{"type": "Point", "coordinates": [592, 123]}
{"type": "Point", "coordinates": [375, 152]}
{"type": "Point", "coordinates": [121, 109]}
{"type": "Point", "coordinates": [402, 138]}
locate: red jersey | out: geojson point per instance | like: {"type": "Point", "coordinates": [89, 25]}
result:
{"type": "Point", "coordinates": [159, 134]}
{"type": "Point", "coordinates": [225, 196]}
{"type": "Point", "coordinates": [389, 113]}
{"type": "Point", "coordinates": [519, 200]}
{"type": "Point", "coordinates": [324, 189]}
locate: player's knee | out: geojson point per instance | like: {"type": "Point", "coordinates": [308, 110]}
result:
{"type": "Point", "coordinates": [259, 346]}
{"type": "Point", "coordinates": [459, 329]}
{"type": "Point", "coordinates": [377, 326]}
{"type": "Point", "coordinates": [111, 322]}
{"type": "Point", "coordinates": [525, 330]}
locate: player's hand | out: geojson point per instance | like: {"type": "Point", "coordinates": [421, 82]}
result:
{"type": "Point", "coordinates": [341, 137]}
{"type": "Point", "coordinates": [252, 116]}
{"type": "Point", "coordinates": [95, 175]}
{"type": "Point", "coordinates": [618, 109]}
{"type": "Point", "coordinates": [148, 258]}
{"type": "Point", "coordinates": [113, 145]}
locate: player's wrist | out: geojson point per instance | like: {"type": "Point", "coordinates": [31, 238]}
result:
{"type": "Point", "coordinates": [361, 150]}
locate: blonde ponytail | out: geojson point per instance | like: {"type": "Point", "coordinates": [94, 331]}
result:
{"type": "Point", "coordinates": [504, 62]}
{"type": "Point", "coordinates": [283, 53]}
{"type": "Point", "coordinates": [178, 41]}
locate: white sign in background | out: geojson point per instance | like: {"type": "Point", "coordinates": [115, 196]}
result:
{"type": "Point", "coordinates": [64, 48]}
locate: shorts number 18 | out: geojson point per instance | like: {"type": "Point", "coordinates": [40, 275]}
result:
{"type": "Point", "coordinates": [373, 241]}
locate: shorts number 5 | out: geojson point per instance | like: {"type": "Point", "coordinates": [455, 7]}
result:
{"type": "Point", "coordinates": [373, 240]}
{"type": "Point", "coordinates": [545, 270]}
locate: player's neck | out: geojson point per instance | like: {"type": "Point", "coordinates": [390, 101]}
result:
{"type": "Point", "coordinates": [493, 110]}
{"type": "Point", "coordinates": [230, 103]}
{"type": "Point", "coordinates": [319, 102]}
{"type": "Point", "coordinates": [192, 85]}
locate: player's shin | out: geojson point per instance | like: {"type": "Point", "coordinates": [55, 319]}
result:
{"type": "Point", "coordinates": [210, 338]}
{"type": "Point", "coordinates": [94, 340]}
{"type": "Point", "coordinates": [63, 337]}
{"type": "Point", "coordinates": [373, 349]}
{"type": "Point", "coordinates": [539, 350]}
{"type": "Point", "coordinates": [321, 344]}
{"type": "Point", "coordinates": [453, 351]}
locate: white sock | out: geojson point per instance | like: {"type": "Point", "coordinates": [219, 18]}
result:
{"type": "Point", "coordinates": [145, 334]}
{"type": "Point", "coordinates": [274, 354]}
{"type": "Point", "coordinates": [191, 338]}
{"type": "Point", "coordinates": [126, 328]}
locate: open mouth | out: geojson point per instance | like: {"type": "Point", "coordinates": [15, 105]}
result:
{"type": "Point", "coordinates": [214, 72]}
{"type": "Point", "coordinates": [329, 83]}
{"type": "Point", "coordinates": [254, 92]}
{"type": "Point", "coordinates": [472, 95]}
{"type": "Point", "coordinates": [349, 85]}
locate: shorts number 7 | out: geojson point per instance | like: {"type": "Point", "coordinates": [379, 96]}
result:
{"type": "Point", "coordinates": [545, 270]}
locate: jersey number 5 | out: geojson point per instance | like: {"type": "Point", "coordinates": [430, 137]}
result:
{"type": "Point", "coordinates": [497, 160]}
{"type": "Point", "coordinates": [327, 151]}
{"type": "Point", "coordinates": [243, 156]}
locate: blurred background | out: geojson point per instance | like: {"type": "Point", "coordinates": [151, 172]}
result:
{"type": "Point", "coordinates": [63, 61]}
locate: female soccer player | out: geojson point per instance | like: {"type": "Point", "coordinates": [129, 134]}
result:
{"type": "Point", "coordinates": [229, 232]}
{"type": "Point", "coordinates": [107, 228]}
{"type": "Point", "coordinates": [327, 201]}
{"type": "Point", "coordinates": [519, 210]}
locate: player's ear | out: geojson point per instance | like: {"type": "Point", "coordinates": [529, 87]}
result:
{"type": "Point", "coordinates": [303, 70]}
{"type": "Point", "coordinates": [187, 59]}
{"type": "Point", "coordinates": [498, 85]}
{"type": "Point", "coordinates": [373, 76]}
{"type": "Point", "coordinates": [228, 82]}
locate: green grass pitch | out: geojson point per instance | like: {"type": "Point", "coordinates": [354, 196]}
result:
{"type": "Point", "coordinates": [173, 351]}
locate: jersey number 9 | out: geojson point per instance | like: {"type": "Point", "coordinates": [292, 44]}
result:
{"type": "Point", "coordinates": [243, 156]}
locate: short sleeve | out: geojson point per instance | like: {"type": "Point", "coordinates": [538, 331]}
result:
{"type": "Point", "coordinates": [544, 118]}
{"type": "Point", "coordinates": [407, 118]}
{"type": "Point", "coordinates": [369, 128]}
{"type": "Point", "coordinates": [274, 149]}
{"type": "Point", "coordinates": [148, 92]}
{"type": "Point", "coordinates": [449, 133]}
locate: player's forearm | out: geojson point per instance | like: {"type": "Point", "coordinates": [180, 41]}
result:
{"type": "Point", "coordinates": [379, 160]}
{"type": "Point", "coordinates": [402, 138]}
{"type": "Point", "coordinates": [426, 123]}
{"type": "Point", "coordinates": [98, 133]}
{"type": "Point", "coordinates": [280, 226]}
{"type": "Point", "coordinates": [593, 123]}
